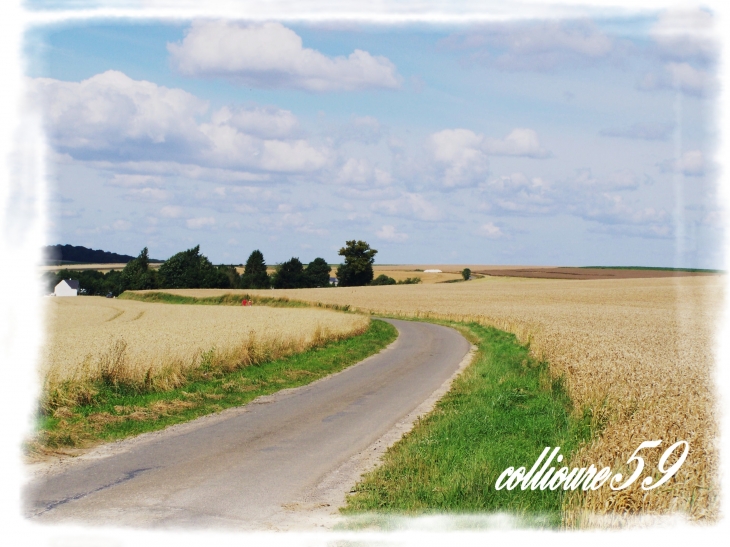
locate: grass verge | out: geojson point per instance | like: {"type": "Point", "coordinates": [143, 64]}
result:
{"type": "Point", "coordinates": [502, 411]}
{"type": "Point", "coordinates": [115, 414]}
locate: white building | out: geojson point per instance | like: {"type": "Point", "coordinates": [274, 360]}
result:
{"type": "Point", "coordinates": [67, 287]}
{"type": "Point", "coordinates": [431, 271]}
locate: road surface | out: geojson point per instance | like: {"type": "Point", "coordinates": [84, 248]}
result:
{"type": "Point", "coordinates": [252, 468]}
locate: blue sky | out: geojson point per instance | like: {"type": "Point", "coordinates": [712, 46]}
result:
{"type": "Point", "coordinates": [566, 142]}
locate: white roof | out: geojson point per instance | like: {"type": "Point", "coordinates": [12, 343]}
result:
{"type": "Point", "coordinates": [431, 271]}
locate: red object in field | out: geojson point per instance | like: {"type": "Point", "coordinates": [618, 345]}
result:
{"type": "Point", "coordinates": [244, 302]}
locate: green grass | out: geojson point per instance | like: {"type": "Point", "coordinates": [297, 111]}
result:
{"type": "Point", "coordinates": [226, 300]}
{"type": "Point", "coordinates": [652, 268]}
{"type": "Point", "coordinates": [115, 415]}
{"type": "Point", "coordinates": [502, 411]}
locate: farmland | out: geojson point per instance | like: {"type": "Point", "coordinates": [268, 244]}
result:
{"type": "Point", "coordinates": [155, 345]}
{"type": "Point", "coordinates": [635, 354]}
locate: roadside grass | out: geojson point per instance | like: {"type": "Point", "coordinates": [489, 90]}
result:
{"type": "Point", "coordinates": [501, 412]}
{"type": "Point", "coordinates": [116, 412]}
{"type": "Point", "coordinates": [229, 299]}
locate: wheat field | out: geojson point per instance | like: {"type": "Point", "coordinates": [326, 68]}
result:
{"type": "Point", "coordinates": [90, 338]}
{"type": "Point", "coordinates": [635, 353]}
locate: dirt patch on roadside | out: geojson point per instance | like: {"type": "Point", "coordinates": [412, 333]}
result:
{"type": "Point", "coordinates": [587, 273]}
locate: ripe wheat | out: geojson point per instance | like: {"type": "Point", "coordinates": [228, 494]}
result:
{"type": "Point", "coordinates": [636, 354]}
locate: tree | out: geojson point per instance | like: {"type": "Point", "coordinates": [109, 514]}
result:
{"type": "Point", "coordinates": [136, 275]}
{"type": "Point", "coordinates": [289, 275]}
{"type": "Point", "coordinates": [191, 270]}
{"type": "Point", "coordinates": [317, 273]}
{"type": "Point", "coordinates": [358, 267]}
{"type": "Point", "coordinates": [466, 274]}
{"type": "Point", "coordinates": [383, 279]}
{"type": "Point", "coordinates": [254, 274]}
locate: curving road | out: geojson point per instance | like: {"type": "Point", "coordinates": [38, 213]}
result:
{"type": "Point", "coordinates": [246, 468]}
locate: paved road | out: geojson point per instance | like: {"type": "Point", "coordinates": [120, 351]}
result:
{"type": "Point", "coordinates": [240, 470]}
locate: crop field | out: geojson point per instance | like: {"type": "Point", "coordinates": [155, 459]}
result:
{"type": "Point", "coordinates": [154, 345]}
{"type": "Point", "coordinates": [635, 354]}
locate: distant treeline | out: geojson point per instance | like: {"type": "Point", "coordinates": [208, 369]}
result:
{"type": "Point", "coordinates": [192, 270]}
{"type": "Point", "coordinates": [76, 254]}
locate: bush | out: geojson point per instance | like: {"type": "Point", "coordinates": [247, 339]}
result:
{"type": "Point", "coordinates": [383, 279]}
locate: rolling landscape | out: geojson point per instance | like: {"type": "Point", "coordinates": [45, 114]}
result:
{"type": "Point", "coordinates": [347, 277]}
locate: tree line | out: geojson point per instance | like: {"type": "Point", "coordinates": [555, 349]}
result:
{"type": "Point", "coordinates": [192, 270]}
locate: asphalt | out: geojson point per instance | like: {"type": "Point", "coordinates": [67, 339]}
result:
{"type": "Point", "coordinates": [245, 468]}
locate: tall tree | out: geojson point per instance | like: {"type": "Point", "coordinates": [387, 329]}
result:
{"type": "Point", "coordinates": [137, 275]}
{"type": "Point", "coordinates": [254, 274]}
{"type": "Point", "coordinates": [289, 275]}
{"type": "Point", "coordinates": [317, 273]}
{"type": "Point", "coordinates": [357, 269]}
{"type": "Point", "coordinates": [191, 270]}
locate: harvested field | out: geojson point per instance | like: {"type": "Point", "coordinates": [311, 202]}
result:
{"type": "Point", "coordinates": [587, 273]}
{"type": "Point", "coordinates": [636, 353]}
{"type": "Point", "coordinates": [93, 339]}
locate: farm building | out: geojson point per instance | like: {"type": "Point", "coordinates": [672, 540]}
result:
{"type": "Point", "coordinates": [67, 287]}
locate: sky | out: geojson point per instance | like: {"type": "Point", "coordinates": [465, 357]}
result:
{"type": "Point", "coordinates": [574, 142]}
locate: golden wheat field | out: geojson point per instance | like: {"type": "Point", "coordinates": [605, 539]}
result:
{"type": "Point", "coordinates": [138, 342]}
{"type": "Point", "coordinates": [637, 353]}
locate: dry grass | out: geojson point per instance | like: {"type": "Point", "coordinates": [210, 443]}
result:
{"type": "Point", "coordinates": [155, 347]}
{"type": "Point", "coordinates": [637, 353]}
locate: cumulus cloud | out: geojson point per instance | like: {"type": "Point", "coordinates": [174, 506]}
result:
{"type": "Point", "coordinates": [112, 118]}
{"type": "Point", "coordinates": [641, 131]}
{"type": "Point", "coordinates": [686, 35]}
{"type": "Point", "coordinates": [270, 55]}
{"type": "Point", "coordinates": [462, 154]}
{"type": "Point", "coordinates": [517, 194]}
{"type": "Point", "coordinates": [200, 222]}
{"type": "Point", "coordinates": [111, 112]}
{"type": "Point", "coordinates": [539, 46]}
{"type": "Point", "coordinates": [691, 164]}
{"type": "Point", "coordinates": [171, 211]}
{"type": "Point", "coordinates": [360, 172]}
{"type": "Point", "coordinates": [265, 122]}
{"type": "Point", "coordinates": [389, 233]}
{"type": "Point", "coordinates": [408, 205]}
{"type": "Point", "coordinates": [490, 230]}
{"type": "Point", "coordinates": [678, 76]}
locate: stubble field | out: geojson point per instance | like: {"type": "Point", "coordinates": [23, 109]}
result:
{"type": "Point", "coordinates": [636, 354]}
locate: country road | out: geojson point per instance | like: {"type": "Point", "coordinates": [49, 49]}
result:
{"type": "Point", "coordinates": [284, 461]}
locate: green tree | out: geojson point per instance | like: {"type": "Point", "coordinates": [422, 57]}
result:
{"type": "Point", "coordinates": [230, 273]}
{"type": "Point", "coordinates": [289, 275]}
{"type": "Point", "coordinates": [466, 274]}
{"type": "Point", "coordinates": [137, 274]}
{"type": "Point", "coordinates": [383, 279]}
{"type": "Point", "coordinates": [357, 269]}
{"type": "Point", "coordinates": [317, 273]}
{"type": "Point", "coordinates": [190, 270]}
{"type": "Point", "coordinates": [254, 274]}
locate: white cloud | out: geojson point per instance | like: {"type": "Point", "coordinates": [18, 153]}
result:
{"type": "Point", "coordinates": [409, 205]}
{"type": "Point", "coordinates": [112, 118]}
{"type": "Point", "coordinates": [462, 155]}
{"type": "Point", "coordinates": [147, 194]}
{"type": "Point", "coordinates": [121, 225]}
{"type": "Point", "coordinates": [359, 172]}
{"type": "Point", "coordinates": [110, 111]}
{"type": "Point", "coordinates": [199, 222]}
{"type": "Point", "coordinates": [171, 211]}
{"type": "Point", "coordinates": [679, 76]}
{"type": "Point", "coordinates": [127, 181]}
{"type": "Point", "coordinates": [686, 35]}
{"type": "Point", "coordinates": [389, 233]}
{"type": "Point", "coordinates": [520, 142]}
{"type": "Point", "coordinates": [490, 230]}
{"type": "Point", "coordinates": [270, 55]}
{"type": "Point", "coordinates": [265, 122]}
{"type": "Point", "coordinates": [534, 46]}
{"type": "Point", "coordinates": [691, 164]}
